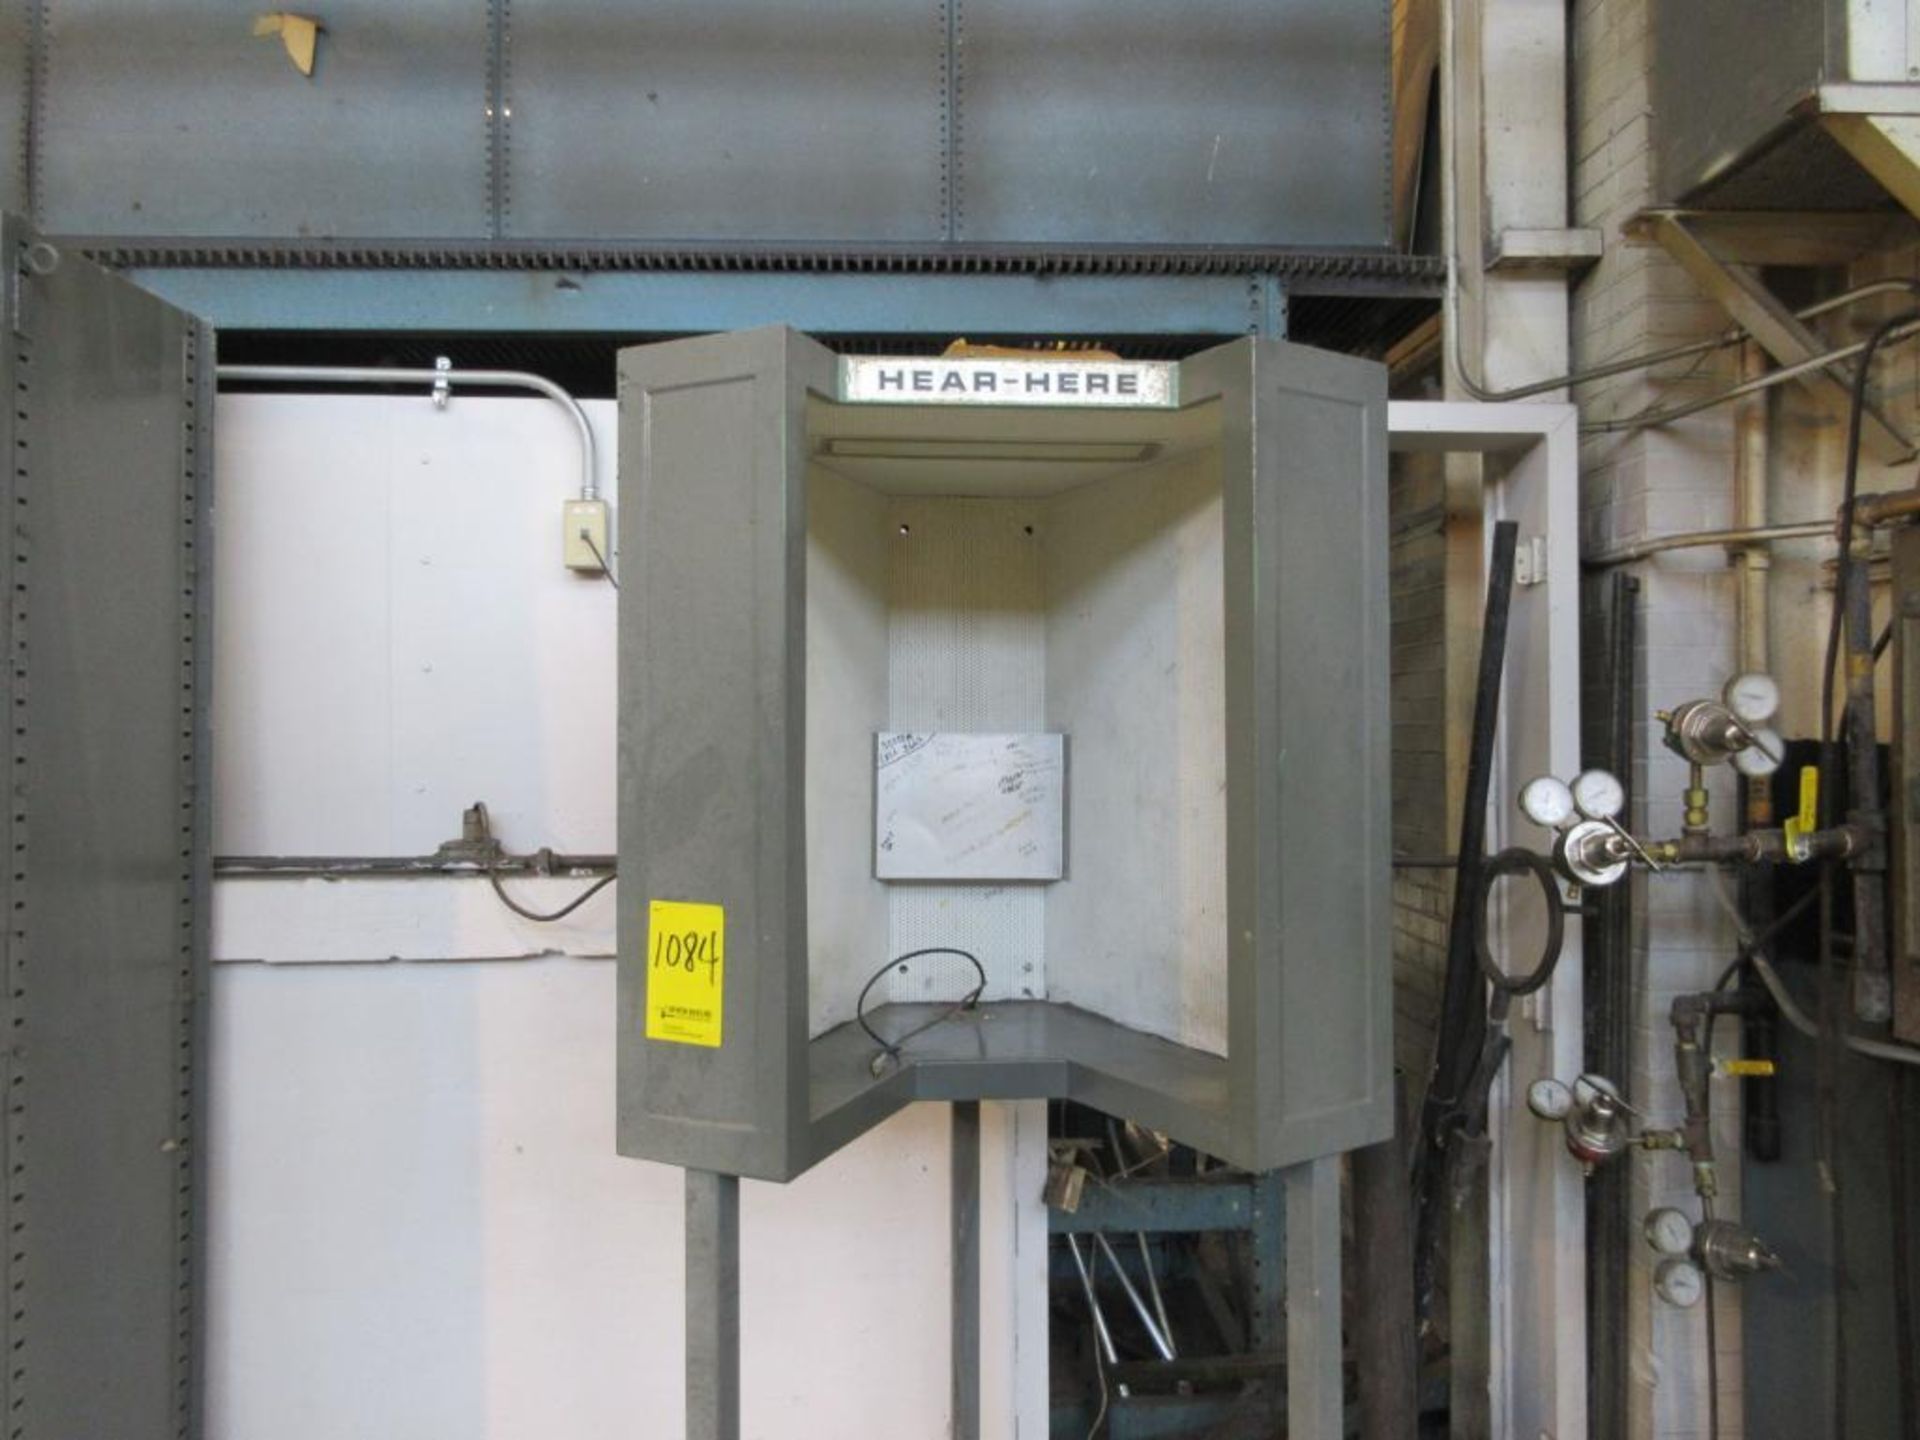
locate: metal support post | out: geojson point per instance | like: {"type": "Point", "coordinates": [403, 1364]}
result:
{"type": "Point", "coordinates": [713, 1306]}
{"type": "Point", "coordinates": [1384, 1348]}
{"type": "Point", "coordinates": [966, 1270]}
{"type": "Point", "coordinates": [1314, 1387]}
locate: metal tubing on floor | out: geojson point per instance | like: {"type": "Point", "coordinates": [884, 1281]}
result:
{"type": "Point", "coordinates": [966, 1269]}
{"type": "Point", "coordinates": [713, 1306]}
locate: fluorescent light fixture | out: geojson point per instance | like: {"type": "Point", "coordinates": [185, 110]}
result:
{"type": "Point", "coordinates": [1074, 452]}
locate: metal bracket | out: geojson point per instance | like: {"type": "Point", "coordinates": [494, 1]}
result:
{"type": "Point", "coordinates": [443, 382]}
{"type": "Point", "coordinates": [1739, 291]}
{"type": "Point", "coordinates": [1530, 561]}
{"type": "Point", "coordinates": [1557, 251]}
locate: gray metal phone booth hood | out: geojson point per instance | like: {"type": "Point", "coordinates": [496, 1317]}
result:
{"type": "Point", "coordinates": [1200, 607]}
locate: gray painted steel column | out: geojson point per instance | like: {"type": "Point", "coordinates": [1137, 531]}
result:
{"type": "Point", "coordinates": [966, 1270]}
{"type": "Point", "coordinates": [1314, 1409]}
{"type": "Point", "coordinates": [713, 1306]}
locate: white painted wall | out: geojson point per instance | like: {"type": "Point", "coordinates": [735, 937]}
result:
{"type": "Point", "coordinates": [417, 1224]}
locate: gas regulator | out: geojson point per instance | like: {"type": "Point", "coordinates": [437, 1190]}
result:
{"type": "Point", "coordinates": [1591, 845]}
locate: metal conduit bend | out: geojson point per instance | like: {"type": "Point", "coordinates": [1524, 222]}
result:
{"type": "Point", "coordinates": [486, 379]}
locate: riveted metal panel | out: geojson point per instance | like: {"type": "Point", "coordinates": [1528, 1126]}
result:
{"type": "Point", "coordinates": [16, 32]}
{"type": "Point", "coordinates": [177, 120]}
{"type": "Point", "coordinates": [1212, 122]}
{"type": "Point", "coordinates": [745, 120]}
{"type": "Point", "coordinates": [106, 838]}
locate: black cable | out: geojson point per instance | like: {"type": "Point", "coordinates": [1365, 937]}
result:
{"type": "Point", "coordinates": [493, 879]}
{"type": "Point", "coordinates": [890, 1049]}
{"type": "Point", "coordinates": [1760, 941]}
{"type": "Point", "coordinates": [1828, 1054]}
{"type": "Point", "coordinates": [1516, 862]}
{"type": "Point", "coordinates": [605, 568]}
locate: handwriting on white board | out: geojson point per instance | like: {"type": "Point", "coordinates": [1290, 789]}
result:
{"type": "Point", "coordinates": [959, 806]}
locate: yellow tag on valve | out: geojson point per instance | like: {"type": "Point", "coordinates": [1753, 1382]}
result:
{"type": "Point", "coordinates": [1747, 1069]}
{"type": "Point", "coordinates": [1798, 830]}
{"type": "Point", "coordinates": [686, 971]}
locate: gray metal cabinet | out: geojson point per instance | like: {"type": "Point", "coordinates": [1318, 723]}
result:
{"type": "Point", "coordinates": [107, 441]}
{"type": "Point", "coordinates": [1189, 587]}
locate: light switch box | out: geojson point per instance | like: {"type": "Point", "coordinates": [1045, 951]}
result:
{"type": "Point", "coordinates": [585, 532]}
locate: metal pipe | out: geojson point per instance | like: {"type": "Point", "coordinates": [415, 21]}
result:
{"type": "Point", "coordinates": [489, 379]}
{"type": "Point", "coordinates": [346, 867]}
{"type": "Point", "coordinates": [1698, 539]}
{"type": "Point", "coordinates": [1872, 510]}
{"type": "Point", "coordinates": [1799, 1019]}
{"type": "Point", "coordinates": [1160, 1342]}
{"type": "Point", "coordinates": [1647, 418]}
{"type": "Point", "coordinates": [1750, 508]}
{"type": "Point", "coordinates": [1153, 1285]}
{"type": "Point", "coordinates": [1093, 1302]}
{"type": "Point", "coordinates": [1872, 979]}
{"type": "Point", "coordinates": [1610, 1020]}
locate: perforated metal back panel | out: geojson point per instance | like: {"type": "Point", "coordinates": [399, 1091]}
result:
{"type": "Point", "coordinates": [106, 842]}
{"type": "Point", "coordinates": [967, 650]}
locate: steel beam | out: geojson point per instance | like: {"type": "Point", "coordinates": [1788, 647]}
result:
{"type": "Point", "coordinates": [1739, 291]}
{"type": "Point", "coordinates": [696, 302]}
{"type": "Point", "coordinates": [713, 1306]}
{"type": "Point", "coordinates": [1155, 1206]}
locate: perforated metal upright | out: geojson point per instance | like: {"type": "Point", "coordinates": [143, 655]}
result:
{"type": "Point", "coordinates": [108, 461]}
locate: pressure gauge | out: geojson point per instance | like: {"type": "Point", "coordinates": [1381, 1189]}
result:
{"type": "Point", "coordinates": [1679, 1282]}
{"type": "Point", "coordinates": [1753, 698]}
{"type": "Point", "coordinates": [1547, 802]}
{"type": "Point", "coordinates": [1549, 1099]}
{"type": "Point", "coordinates": [1598, 795]}
{"type": "Point", "coordinates": [1668, 1231]}
{"type": "Point", "coordinates": [1761, 757]}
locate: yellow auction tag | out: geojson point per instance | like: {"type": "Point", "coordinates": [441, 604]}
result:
{"type": "Point", "coordinates": [686, 971]}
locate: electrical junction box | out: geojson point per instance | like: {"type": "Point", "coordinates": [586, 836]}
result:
{"type": "Point", "coordinates": [880, 598]}
{"type": "Point", "coordinates": [584, 535]}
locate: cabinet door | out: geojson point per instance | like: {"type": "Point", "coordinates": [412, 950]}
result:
{"type": "Point", "coordinates": [106, 435]}
{"type": "Point", "coordinates": [712, 1058]}
{"type": "Point", "coordinates": [1309, 867]}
